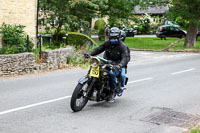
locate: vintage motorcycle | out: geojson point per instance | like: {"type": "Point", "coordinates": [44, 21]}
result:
{"type": "Point", "coordinates": [95, 85]}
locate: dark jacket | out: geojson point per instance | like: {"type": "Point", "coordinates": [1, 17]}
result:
{"type": "Point", "coordinates": [119, 52]}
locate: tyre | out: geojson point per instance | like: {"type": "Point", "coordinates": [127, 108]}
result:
{"type": "Point", "coordinates": [78, 100]}
{"type": "Point", "coordinates": [182, 36]}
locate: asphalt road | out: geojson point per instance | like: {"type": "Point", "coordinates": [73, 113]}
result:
{"type": "Point", "coordinates": [162, 96]}
{"type": "Point", "coordinates": [96, 36]}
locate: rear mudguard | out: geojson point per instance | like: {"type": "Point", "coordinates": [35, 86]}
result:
{"type": "Point", "coordinates": [126, 81]}
{"type": "Point", "coordinates": [83, 80]}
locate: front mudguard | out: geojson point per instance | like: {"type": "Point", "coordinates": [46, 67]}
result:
{"type": "Point", "coordinates": [83, 80]}
{"type": "Point", "coordinates": [90, 89]}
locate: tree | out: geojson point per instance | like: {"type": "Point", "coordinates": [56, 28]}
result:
{"type": "Point", "coordinates": [188, 10]}
{"type": "Point", "coordinates": [83, 11]}
{"type": "Point", "coordinates": [71, 14]}
{"type": "Point", "coordinates": [117, 10]}
{"type": "Point", "coordinates": [76, 15]}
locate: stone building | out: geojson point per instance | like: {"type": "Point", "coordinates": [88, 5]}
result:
{"type": "Point", "coordinates": [138, 12]}
{"type": "Point", "coordinates": [23, 12]}
{"type": "Point", "coordinates": [153, 11]}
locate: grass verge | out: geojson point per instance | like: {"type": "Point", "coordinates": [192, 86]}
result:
{"type": "Point", "coordinates": [148, 43]}
{"type": "Point", "coordinates": [195, 130]}
{"type": "Point", "coordinates": [180, 47]}
{"type": "Point", "coordinates": [156, 44]}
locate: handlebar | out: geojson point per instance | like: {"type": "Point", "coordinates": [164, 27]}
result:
{"type": "Point", "coordinates": [102, 59]}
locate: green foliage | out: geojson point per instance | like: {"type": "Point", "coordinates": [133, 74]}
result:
{"type": "Point", "coordinates": [115, 22]}
{"type": "Point", "coordinates": [14, 39]}
{"type": "Point", "coordinates": [36, 52]}
{"type": "Point", "coordinates": [144, 24]}
{"type": "Point", "coordinates": [53, 45]}
{"type": "Point", "coordinates": [8, 50]}
{"type": "Point", "coordinates": [72, 15]}
{"type": "Point", "coordinates": [79, 39]}
{"type": "Point", "coordinates": [180, 46]}
{"type": "Point", "coordinates": [154, 43]}
{"type": "Point", "coordinates": [182, 22]}
{"type": "Point", "coordinates": [196, 130]}
{"type": "Point", "coordinates": [187, 10]}
{"type": "Point", "coordinates": [190, 10]}
{"type": "Point", "coordinates": [77, 59]}
{"type": "Point", "coordinates": [148, 43]}
{"type": "Point", "coordinates": [140, 29]}
{"type": "Point", "coordinates": [76, 15]}
{"type": "Point", "coordinates": [118, 11]}
{"type": "Point", "coordinates": [67, 38]}
{"type": "Point", "coordinates": [100, 26]}
{"type": "Point", "coordinates": [76, 40]}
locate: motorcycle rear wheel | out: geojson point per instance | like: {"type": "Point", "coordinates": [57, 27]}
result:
{"type": "Point", "coordinates": [78, 100]}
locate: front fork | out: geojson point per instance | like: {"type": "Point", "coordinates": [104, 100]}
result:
{"type": "Point", "coordinates": [85, 79]}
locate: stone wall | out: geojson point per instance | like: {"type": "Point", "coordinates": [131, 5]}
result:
{"type": "Point", "coordinates": [55, 59]}
{"type": "Point", "coordinates": [19, 64]}
{"type": "Point", "coordinates": [22, 12]}
{"type": "Point", "coordinates": [16, 64]}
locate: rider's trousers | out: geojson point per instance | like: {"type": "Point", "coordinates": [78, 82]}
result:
{"type": "Point", "coordinates": [113, 77]}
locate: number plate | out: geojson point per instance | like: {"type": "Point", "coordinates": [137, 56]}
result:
{"type": "Point", "coordinates": [94, 72]}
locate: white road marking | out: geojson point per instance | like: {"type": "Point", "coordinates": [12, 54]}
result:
{"type": "Point", "coordinates": [139, 80]}
{"type": "Point", "coordinates": [33, 105]}
{"type": "Point", "coordinates": [183, 71]}
{"type": "Point", "coordinates": [54, 100]}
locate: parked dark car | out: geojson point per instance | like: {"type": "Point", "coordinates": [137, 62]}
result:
{"type": "Point", "coordinates": [170, 31]}
{"type": "Point", "coordinates": [130, 32]}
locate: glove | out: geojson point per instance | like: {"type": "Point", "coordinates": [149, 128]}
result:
{"type": "Point", "coordinates": [117, 67]}
{"type": "Point", "coordinates": [109, 62]}
{"type": "Point", "coordinates": [86, 55]}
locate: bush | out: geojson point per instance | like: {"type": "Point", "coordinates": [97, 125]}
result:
{"type": "Point", "coordinates": [100, 26]}
{"type": "Point", "coordinates": [144, 25]}
{"type": "Point", "coordinates": [77, 58]}
{"type": "Point", "coordinates": [67, 38]}
{"type": "Point", "coordinates": [196, 130]}
{"type": "Point", "coordinates": [8, 50]}
{"type": "Point", "coordinates": [78, 39]}
{"type": "Point", "coordinates": [14, 39]}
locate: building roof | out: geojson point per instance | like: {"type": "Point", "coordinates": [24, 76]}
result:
{"type": "Point", "coordinates": [151, 10]}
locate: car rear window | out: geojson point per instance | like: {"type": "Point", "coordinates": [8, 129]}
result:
{"type": "Point", "coordinates": [161, 29]}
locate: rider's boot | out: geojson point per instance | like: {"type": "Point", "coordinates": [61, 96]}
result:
{"type": "Point", "coordinates": [121, 91]}
{"type": "Point", "coordinates": [111, 97]}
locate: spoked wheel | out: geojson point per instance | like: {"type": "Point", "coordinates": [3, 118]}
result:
{"type": "Point", "coordinates": [79, 99]}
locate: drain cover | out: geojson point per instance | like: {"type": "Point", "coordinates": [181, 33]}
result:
{"type": "Point", "coordinates": [172, 118]}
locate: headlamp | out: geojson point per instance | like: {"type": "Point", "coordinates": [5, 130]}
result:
{"type": "Point", "coordinates": [94, 62]}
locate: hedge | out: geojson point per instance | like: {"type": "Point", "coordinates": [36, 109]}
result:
{"type": "Point", "coordinates": [79, 39]}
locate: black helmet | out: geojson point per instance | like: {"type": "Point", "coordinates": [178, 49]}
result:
{"type": "Point", "coordinates": [114, 33]}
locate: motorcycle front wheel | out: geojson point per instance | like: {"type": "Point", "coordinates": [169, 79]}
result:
{"type": "Point", "coordinates": [78, 100]}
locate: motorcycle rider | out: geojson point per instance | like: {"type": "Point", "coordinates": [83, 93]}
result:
{"type": "Point", "coordinates": [117, 51]}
